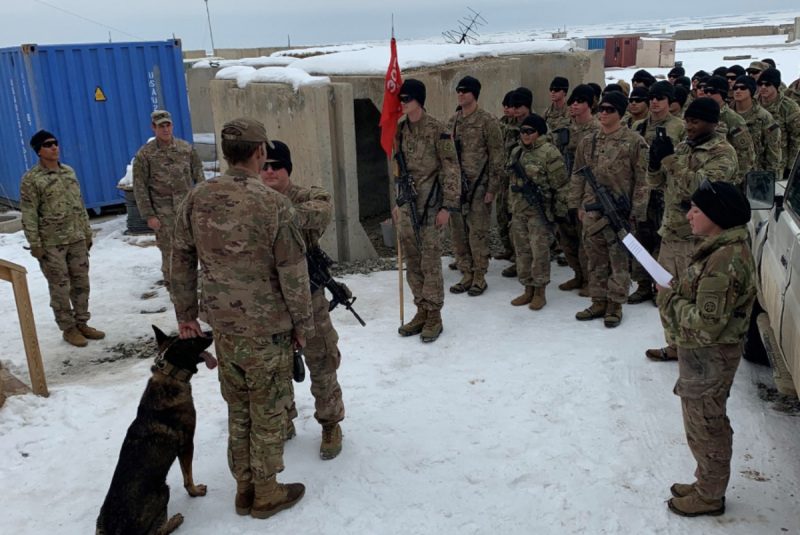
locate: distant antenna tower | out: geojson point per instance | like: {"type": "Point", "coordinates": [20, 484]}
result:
{"type": "Point", "coordinates": [466, 29]}
{"type": "Point", "coordinates": [210, 32]}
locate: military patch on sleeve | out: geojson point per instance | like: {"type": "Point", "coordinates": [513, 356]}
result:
{"type": "Point", "coordinates": [773, 127]}
{"type": "Point", "coordinates": [709, 305]}
{"type": "Point", "coordinates": [444, 135]}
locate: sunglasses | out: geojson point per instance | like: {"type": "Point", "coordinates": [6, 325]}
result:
{"type": "Point", "coordinates": [711, 91]}
{"type": "Point", "coordinates": [657, 97]}
{"type": "Point", "coordinates": [51, 143]}
{"type": "Point", "coordinates": [638, 100]}
{"type": "Point", "coordinates": [731, 77]}
{"type": "Point", "coordinates": [580, 101]}
{"type": "Point", "coordinates": [739, 87]}
{"type": "Point", "coordinates": [607, 109]}
{"type": "Point", "coordinates": [557, 89]}
{"type": "Point", "coordinates": [527, 130]}
{"type": "Point", "coordinates": [462, 90]}
{"type": "Point", "coordinates": [405, 99]}
{"type": "Point", "coordinates": [765, 84]}
{"type": "Point", "coordinates": [276, 166]}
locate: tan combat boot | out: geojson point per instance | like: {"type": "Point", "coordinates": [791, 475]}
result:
{"type": "Point", "coordinates": [463, 285]}
{"type": "Point", "coordinates": [245, 491]}
{"type": "Point", "coordinates": [73, 336]}
{"type": "Point", "coordinates": [272, 497]}
{"type": "Point", "coordinates": [613, 315]}
{"type": "Point", "coordinates": [523, 299]}
{"type": "Point", "coordinates": [539, 301]}
{"type": "Point", "coordinates": [597, 310]}
{"type": "Point", "coordinates": [510, 271]}
{"type": "Point", "coordinates": [331, 444]}
{"type": "Point", "coordinates": [695, 505]}
{"type": "Point", "coordinates": [679, 490]}
{"type": "Point", "coordinates": [662, 354]}
{"type": "Point", "coordinates": [90, 333]}
{"type": "Point", "coordinates": [478, 285]}
{"type": "Point", "coordinates": [433, 326]}
{"type": "Point", "coordinates": [574, 283]}
{"type": "Point", "coordinates": [415, 325]}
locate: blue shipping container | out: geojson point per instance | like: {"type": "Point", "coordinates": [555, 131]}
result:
{"type": "Point", "coordinates": [596, 43]}
{"type": "Point", "coordinates": [96, 99]}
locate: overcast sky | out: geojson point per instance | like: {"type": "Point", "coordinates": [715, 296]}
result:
{"type": "Point", "coordinates": [252, 23]}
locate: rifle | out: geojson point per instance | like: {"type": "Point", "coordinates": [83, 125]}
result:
{"type": "Point", "coordinates": [407, 192]}
{"type": "Point", "coordinates": [467, 193]}
{"type": "Point", "coordinates": [529, 190]}
{"type": "Point", "coordinates": [561, 137]}
{"type": "Point", "coordinates": [615, 208]}
{"type": "Point", "coordinates": [320, 276]}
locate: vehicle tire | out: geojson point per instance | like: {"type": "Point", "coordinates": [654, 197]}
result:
{"type": "Point", "coordinates": [753, 346]}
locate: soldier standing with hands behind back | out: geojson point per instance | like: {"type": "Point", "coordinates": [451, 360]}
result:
{"type": "Point", "coordinates": [56, 226]}
{"type": "Point", "coordinates": [164, 170]}
{"type": "Point", "coordinates": [431, 161]}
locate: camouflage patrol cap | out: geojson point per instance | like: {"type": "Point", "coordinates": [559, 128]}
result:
{"type": "Point", "coordinates": [245, 129]}
{"type": "Point", "coordinates": [160, 116]}
{"type": "Point", "coordinates": [757, 66]}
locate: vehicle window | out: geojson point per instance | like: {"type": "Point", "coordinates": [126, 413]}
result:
{"type": "Point", "coordinates": [792, 199]}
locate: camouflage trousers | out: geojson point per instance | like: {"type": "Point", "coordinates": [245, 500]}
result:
{"type": "Point", "coordinates": [255, 384]}
{"type": "Point", "coordinates": [322, 359]}
{"type": "Point", "coordinates": [164, 243]}
{"type": "Point", "coordinates": [66, 268]}
{"type": "Point", "coordinates": [647, 234]}
{"type": "Point", "coordinates": [532, 237]}
{"type": "Point", "coordinates": [704, 383]}
{"type": "Point", "coordinates": [423, 265]}
{"type": "Point", "coordinates": [504, 218]}
{"type": "Point", "coordinates": [609, 278]}
{"type": "Point", "coordinates": [675, 256]}
{"type": "Point", "coordinates": [470, 239]}
{"type": "Point", "coordinates": [569, 238]}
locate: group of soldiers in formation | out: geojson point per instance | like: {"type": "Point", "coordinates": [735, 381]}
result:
{"type": "Point", "coordinates": [665, 148]}
{"type": "Point", "coordinates": [249, 230]}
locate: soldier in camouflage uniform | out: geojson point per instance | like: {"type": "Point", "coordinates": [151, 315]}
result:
{"type": "Point", "coordinates": [532, 225]}
{"type": "Point", "coordinates": [733, 126]}
{"type": "Point", "coordinates": [638, 107]}
{"type": "Point", "coordinates": [705, 154]}
{"type": "Point", "coordinates": [56, 226]}
{"type": "Point", "coordinates": [793, 91]}
{"type": "Point", "coordinates": [707, 310]}
{"type": "Point", "coordinates": [164, 170]}
{"type": "Point", "coordinates": [618, 158]}
{"type": "Point", "coordinates": [431, 160]}
{"type": "Point", "coordinates": [313, 210]}
{"type": "Point", "coordinates": [479, 147]}
{"type": "Point", "coordinates": [765, 131]}
{"type": "Point", "coordinates": [786, 113]}
{"type": "Point", "coordinates": [256, 296]}
{"type": "Point", "coordinates": [661, 96]}
{"type": "Point", "coordinates": [557, 113]}
{"type": "Point", "coordinates": [570, 231]}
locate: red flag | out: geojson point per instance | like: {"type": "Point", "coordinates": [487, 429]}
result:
{"type": "Point", "coordinates": [392, 110]}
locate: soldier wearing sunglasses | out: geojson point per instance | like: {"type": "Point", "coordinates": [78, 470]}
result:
{"type": "Point", "coordinates": [786, 113]}
{"type": "Point", "coordinates": [732, 125]}
{"type": "Point", "coordinates": [56, 226]}
{"type": "Point", "coordinates": [766, 132]}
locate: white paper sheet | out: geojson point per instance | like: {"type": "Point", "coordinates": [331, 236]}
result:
{"type": "Point", "coordinates": [656, 270]}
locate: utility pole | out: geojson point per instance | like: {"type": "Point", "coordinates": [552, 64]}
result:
{"type": "Point", "coordinates": [211, 33]}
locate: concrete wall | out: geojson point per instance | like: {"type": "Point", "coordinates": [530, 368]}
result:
{"type": "Point", "coordinates": [239, 53]}
{"type": "Point", "coordinates": [738, 31]}
{"type": "Point", "coordinates": [317, 123]}
{"type": "Point", "coordinates": [655, 53]}
{"type": "Point", "coordinates": [194, 54]}
{"type": "Point", "coordinates": [198, 83]}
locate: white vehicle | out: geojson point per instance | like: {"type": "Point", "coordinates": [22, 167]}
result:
{"type": "Point", "coordinates": [775, 230]}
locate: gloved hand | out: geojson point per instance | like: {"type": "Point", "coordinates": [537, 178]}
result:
{"type": "Point", "coordinates": [660, 149]}
{"type": "Point", "coordinates": [37, 252]}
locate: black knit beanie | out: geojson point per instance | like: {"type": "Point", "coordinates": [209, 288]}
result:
{"type": "Point", "coordinates": [748, 81]}
{"type": "Point", "coordinates": [536, 122]}
{"type": "Point", "coordinates": [616, 99]}
{"type": "Point", "coordinates": [279, 152]}
{"type": "Point", "coordinates": [723, 203]}
{"type": "Point", "coordinates": [414, 89]}
{"type": "Point", "coordinates": [40, 137]}
{"type": "Point", "coordinates": [468, 84]}
{"type": "Point", "coordinates": [703, 108]}
{"type": "Point", "coordinates": [522, 97]}
{"type": "Point", "coordinates": [582, 92]}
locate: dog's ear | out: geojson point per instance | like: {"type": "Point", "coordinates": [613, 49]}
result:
{"type": "Point", "coordinates": [160, 336]}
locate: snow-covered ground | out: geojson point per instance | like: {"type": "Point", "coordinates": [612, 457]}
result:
{"type": "Point", "coordinates": [513, 422]}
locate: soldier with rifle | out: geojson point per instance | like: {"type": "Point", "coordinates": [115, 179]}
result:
{"type": "Point", "coordinates": [536, 200]}
{"type": "Point", "coordinates": [618, 159]}
{"type": "Point", "coordinates": [479, 148]}
{"type": "Point", "coordinates": [313, 211]}
{"type": "Point", "coordinates": [427, 174]}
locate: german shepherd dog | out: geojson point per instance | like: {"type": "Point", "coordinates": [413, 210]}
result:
{"type": "Point", "coordinates": [136, 503]}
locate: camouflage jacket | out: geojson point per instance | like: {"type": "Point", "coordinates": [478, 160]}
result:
{"type": "Point", "coordinates": [544, 165]}
{"type": "Point", "coordinates": [786, 113]}
{"type": "Point", "coordinates": [313, 211]}
{"type": "Point", "coordinates": [734, 127]}
{"type": "Point", "coordinates": [680, 175]}
{"type": "Point", "coordinates": [163, 175]}
{"type": "Point", "coordinates": [619, 161]}
{"type": "Point", "coordinates": [676, 128]}
{"type": "Point", "coordinates": [766, 135]}
{"type": "Point", "coordinates": [509, 127]}
{"type": "Point", "coordinates": [711, 303]}
{"type": "Point", "coordinates": [556, 118]}
{"type": "Point", "coordinates": [481, 142]}
{"type": "Point", "coordinates": [52, 208]}
{"type": "Point", "coordinates": [252, 259]}
{"type": "Point", "coordinates": [431, 159]}
{"type": "Point", "coordinates": [629, 120]}
{"type": "Point", "coordinates": [578, 131]}
{"type": "Point", "coordinates": [793, 91]}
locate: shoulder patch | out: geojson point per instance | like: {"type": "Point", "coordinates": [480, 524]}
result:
{"type": "Point", "coordinates": [444, 135]}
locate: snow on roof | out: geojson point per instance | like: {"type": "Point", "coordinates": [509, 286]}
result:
{"type": "Point", "coordinates": [262, 61]}
{"type": "Point", "coordinates": [281, 75]}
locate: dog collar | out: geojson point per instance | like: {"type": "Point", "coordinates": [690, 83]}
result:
{"type": "Point", "coordinates": [173, 371]}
